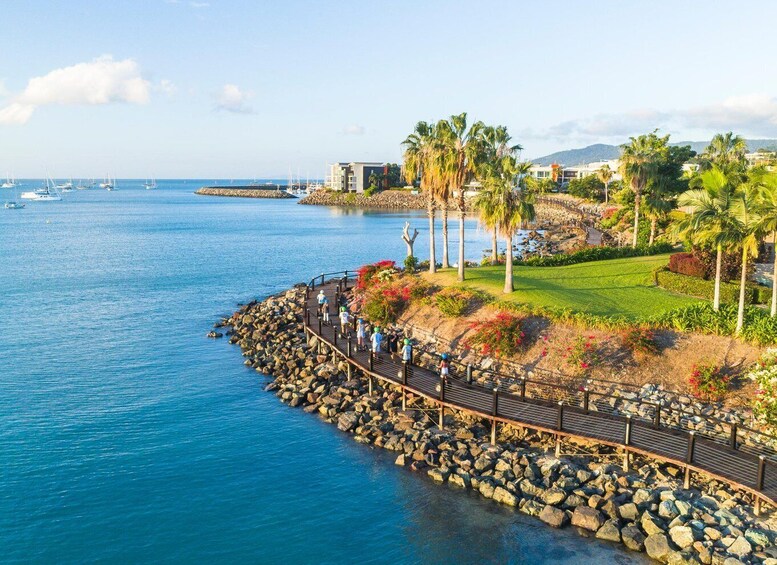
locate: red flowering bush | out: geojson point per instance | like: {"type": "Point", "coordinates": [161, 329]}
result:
{"type": "Point", "coordinates": [382, 270]}
{"type": "Point", "coordinates": [640, 340]}
{"type": "Point", "coordinates": [708, 382]}
{"type": "Point", "coordinates": [687, 264]}
{"type": "Point", "coordinates": [501, 336]}
{"type": "Point", "coordinates": [583, 354]}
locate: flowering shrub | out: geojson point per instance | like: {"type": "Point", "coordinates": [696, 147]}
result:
{"type": "Point", "coordinates": [764, 375]}
{"type": "Point", "coordinates": [687, 264]}
{"type": "Point", "coordinates": [583, 354]}
{"type": "Point", "coordinates": [708, 382]}
{"type": "Point", "coordinates": [501, 336]}
{"type": "Point", "coordinates": [453, 302]}
{"type": "Point", "coordinates": [640, 340]}
{"type": "Point", "coordinates": [382, 270]}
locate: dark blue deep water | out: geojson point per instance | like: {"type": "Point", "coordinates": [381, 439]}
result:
{"type": "Point", "coordinates": [127, 436]}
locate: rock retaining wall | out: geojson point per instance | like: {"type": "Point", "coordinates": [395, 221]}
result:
{"type": "Point", "coordinates": [645, 509]}
{"type": "Point", "coordinates": [243, 192]}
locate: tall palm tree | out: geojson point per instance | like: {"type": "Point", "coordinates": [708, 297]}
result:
{"type": "Point", "coordinates": [727, 152]}
{"type": "Point", "coordinates": [503, 206]}
{"type": "Point", "coordinates": [605, 174]}
{"type": "Point", "coordinates": [639, 163]}
{"type": "Point", "coordinates": [657, 203]}
{"type": "Point", "coordinates": [712, 219]}
{"type": "Point", "coordinates": [767, 210]}
{"type": "Point", "coordinates": [745, 208]}
{"type": "Point", "coordinates": [418, 160]}
{"type": "Point", "coordinates": [462, 150]}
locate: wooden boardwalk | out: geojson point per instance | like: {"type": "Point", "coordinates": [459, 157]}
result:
{"type": "Point", "coordinates": [567, 411]}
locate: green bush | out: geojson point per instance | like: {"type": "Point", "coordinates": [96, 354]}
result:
{"type": "Point", "coordinates": [597, 254]}
{"type": "Point", "coordinates": [729, 292]}
{"type": "Point", "coordinates": [708, 382]}
{"type": "Point", "coordinates": [411, 263]}
{"type": "Point", "coordinates": [453, 302]}
{"type": "Point", "coordinates": [589, 188]}
{"type": "Point", "coordinates": [759, 327]}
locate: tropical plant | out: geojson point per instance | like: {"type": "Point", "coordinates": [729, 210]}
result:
{"type": "Point", "coordinates": [420, 153]}
{"type": "Point", "coordinates": [708, 382]}
{"type": "Point", "coordinates": [503, 206]}
{"type": "Point", "coordinates": [605, 174]}
{"type": "Point", "coordinates": [726, 152]}
{"type": "Point", "coordinates": [501, 336]}
{"type": "Point", "coordinates": [711, 220]}
{"type": "Point", "coordinates": [639, 165]}
{"type": "Point", "coordinates": [746, 212]}
{"type": "Point", "coordinates": [767, 210]}
{"type": "Point", "coordinates": [657, 204]}
{"type": "Point", "coordinates": [461, 152]}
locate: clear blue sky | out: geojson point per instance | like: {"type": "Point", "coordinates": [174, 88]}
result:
{"type": "Point", "coordinates": [218, 88]}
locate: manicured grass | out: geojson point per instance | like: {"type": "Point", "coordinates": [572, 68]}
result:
{"type": "Point", "coordinates": [615, 287]}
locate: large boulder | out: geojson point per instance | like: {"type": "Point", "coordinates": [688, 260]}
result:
{"type": "Point", "coordinates": [587, 518]}
{"type": "Point", "coordinates": [633, 538]}
{"type": "Point", "coordinates": [740, 547]}
{"type": "Point", "coordinates": [609, 531]}
{"type": "Point", "coordinates": [657, 547]}
{"type": "Point", "coordinates": [682, 536]}
{"type": "Point", "coordinates": [553, 516]}
{"type": "Point", "coordinates": [504, 496]}
{"type": "Point", "coordinates": [651, 524]}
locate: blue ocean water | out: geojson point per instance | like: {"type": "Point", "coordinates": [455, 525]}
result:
{"type": "Point", "coordinates": [127, 436]}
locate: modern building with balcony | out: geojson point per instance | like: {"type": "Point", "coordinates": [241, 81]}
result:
{"type": "Point", "coordinates": [352, 177]}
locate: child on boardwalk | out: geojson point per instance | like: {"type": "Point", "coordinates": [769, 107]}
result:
{"type": "Point", "coordinates": [444, 367]}
{"type": "Point", "coordinates": [321, 297]}
{"type": "Point", "coordinates": [325, 310]}
{"type": "Point", "coordinates": [361, 331]}
{"type": "Point", "coordinates": [377, 337]}
{"type": "Point", "coordinates": [392, 343]}
{"type": "Point", "coordinates": [407, 352]}
{"type": "Point", "coordinates": [345, 328]}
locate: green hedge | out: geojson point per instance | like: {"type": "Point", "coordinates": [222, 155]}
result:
{"type": "Point", "coordinates": [597, 254]}
{"type": "Point", "coordinates": [759, 327]}
{"type": "Point", "coordinates": [729, 292]}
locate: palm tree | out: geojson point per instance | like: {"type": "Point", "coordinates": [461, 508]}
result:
{"type": "Point", "coordinates": [727, 152]}
{"type": "Point", "coordinates": [503, 206]}
{"type": "Point", "coordinates": [462, 150]}
{"type": "Point", "coordinates": [639, 165]}
{"type": "Point", "coordinates": [711, 220]}
{"type": "Point", "coordinates": [605, 174]}
{"type": "Point", "coordinates": [767, 210]}
{"type": "Point", "coordinates": [418, 160]}
{"type": "Point", "coordinates": [745, 208]}
{"type": "Point", "coordinates": [657, 204]}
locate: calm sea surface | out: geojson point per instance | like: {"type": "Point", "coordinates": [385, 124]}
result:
{"type": "Point", "coordinates": [127, 436]}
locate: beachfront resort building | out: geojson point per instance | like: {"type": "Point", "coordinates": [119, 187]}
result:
{"type": "Point", "coordinates": [563, 174]}
{"type": "Point", "coordinates": [352, 177]}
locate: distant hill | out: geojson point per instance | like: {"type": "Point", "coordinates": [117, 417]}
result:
{"type": "Point", "coordinates": [604, 152]}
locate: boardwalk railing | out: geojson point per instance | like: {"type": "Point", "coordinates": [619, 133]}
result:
{"type": "Point", "coordinates": [734, 453]}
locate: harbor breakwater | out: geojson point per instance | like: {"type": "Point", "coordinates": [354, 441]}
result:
{"type": "Point", "coordinates": [645, 509]}
{"type": "Point", "coordinates": [243, 192]}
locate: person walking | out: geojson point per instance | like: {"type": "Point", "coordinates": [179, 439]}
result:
{"type": "Point", "coordinates": [361, 331]}
{"type": "Point", "coordinates": [444, 368]}
{"type": "Point", "coordinates": [376, 339]}
{"type": "Point", "coordinates": [325, 310]}
{"type": "Point", "coordinates": [345, 328]}
{"type": "Point", "coordinates": [407, 352]}
{"type": "Point", "coordinates": [321, 297]}
{"type": "Point", "coordinates": [392, 342]}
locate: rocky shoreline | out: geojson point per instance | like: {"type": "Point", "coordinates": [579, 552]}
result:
{"type": "Point", "coordinates": [242, 192]}
{"type": "Point", "coordinates": [645, 509]}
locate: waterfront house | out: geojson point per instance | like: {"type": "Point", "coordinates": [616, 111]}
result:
{"type": "Point", "coordinates": [353, 177]}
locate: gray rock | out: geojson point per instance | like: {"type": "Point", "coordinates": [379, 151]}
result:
{"type": "Point", "coordinates": [609, 531]}
{"type": "Point", "coordinates": [628, 512]}
{"type": "Point", "coordinates": [758, 537]}
{"type": "Point", "coordinates": [555, 517]}
{"type": "Point", "coordinates": [633, 538]}
{"type": "Point", "coordinates": [740, 547]}
{"type": "Point", "coordinates": [651, 524]}
{"type": "Point", "coordinates": [682, 558]}
{"type": "Point", "coordinates": [587, 518]}
{"type": "Point", "coordinates": [657, 547]}
{"type": "Point", "coordinates": [504, 496]}
{"type": "Point", "coordinates": [668, 510]}
{"type": "Point", "coordinates": [554, 496]}
{"type": "Point", "coordinates": [682, 536]}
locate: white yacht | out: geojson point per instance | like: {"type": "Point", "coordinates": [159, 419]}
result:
{"type": "Point", "coordinates": [9, 182]}
{"type": "Point", "coordinates": [107, 184]}
{"type": "Point", "coordinates": [65, 186]}
{"type": "Point", "coordinates": [150, 185]}
{"type": "Point", "coordinates": [48, 193]}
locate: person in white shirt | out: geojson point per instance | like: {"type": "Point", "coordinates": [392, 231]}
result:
{"type": "Point", "coordinates": [344, 318]}
{"type": "Point", "coordinates": [377, 337]}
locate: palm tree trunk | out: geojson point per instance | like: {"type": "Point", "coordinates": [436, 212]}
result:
{"type": "Point", "coordinates": [718, 263]}
{"type": "Point", "coordinates": [742, 284]}
{"type": "Point", "coordinates": [653, 222]}
{"type": "Point", "coordinates": [432, 258]}
{"type": "Point", "coordinates": [495, 244]}
{"type": "Point", "coordinates": [444, 212]}
{"type": "Point", "coordinates": [774, 278]}
{"type": "Point", "coordinates": [636, 219]}
{"type": "Point", "coordinates": [462, 214]}
{"type": "Point", "coordinates": [509, 266]}
{"type": "Point", "coordinates": [606, 192]}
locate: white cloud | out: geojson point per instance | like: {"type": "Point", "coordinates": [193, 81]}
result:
{"type": "Point", "coordinates": [353, 129]}
{"type": "Point", "coordinates": [101, 81]}
{"type": "Point", "coordinates": [231, 99]}
{"type": "Point", "coordinates": [166, 87]}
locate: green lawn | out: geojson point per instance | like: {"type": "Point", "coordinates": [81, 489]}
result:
{"type": "Point", "coordinates": [615, 287]}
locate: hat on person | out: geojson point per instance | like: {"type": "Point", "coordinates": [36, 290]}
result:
{"type": "Point", "coordinates": [407, 341]}
{"type": "Point", "coordinates": [444, 356]}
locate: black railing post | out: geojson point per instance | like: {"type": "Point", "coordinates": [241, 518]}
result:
{"type": "Point", "coordinates": [691, 446]}
{"type": "Point", "coordinates": [334, 328]}
{"type": "Point", "coordinates": [307, 315]}
{"type": "Point", "coordinates": [657, 417]}
{"type": "Point", "coordinates": [372, 360]}
{"type": "Point", "coordinates": [759, 483]}
{"type": "Point", "coordinates": [627, 435]}
{"type": "Point", "coordinates": [322, 279]}
{"type": "Point", "coordinates": [404, 373]}
{"type": "Point", "coordinates": [319, 326]}
{"type": "Point", "coordinates": [585, 399]}
{"type": "Point", "coordinates": [560, 416]}
{"type": "Point", "coordinates": [523, 388]}
{"type": "Point", "coordinates": [469, 373]}
{"type": "Point", "coordinates": [442, 390]}
{"type": "Point", "coordinates": [495, 406]}
{"type": "Point", "coordinates": [733, 439]}
{"type": "Point", "coordinates": [350, 352]}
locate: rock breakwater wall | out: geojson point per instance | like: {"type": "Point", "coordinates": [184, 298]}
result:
{"type": "Point", "coordinates": [243, 192]}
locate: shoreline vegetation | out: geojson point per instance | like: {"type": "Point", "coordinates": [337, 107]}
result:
{"type": "Point", "coordinates": [646, 508]}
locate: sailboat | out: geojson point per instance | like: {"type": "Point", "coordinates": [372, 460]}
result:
{"type": "Point", "coordinates": [82, 186]}
{"type": "Point", "coordinates": [48, 193]}
{"type": "Point", "coordinates": [150, 185]}
{"type": "Point", "coordinates": [9, 182]}
{"type": "Point", "coordinates": [106, 184]}
{"type": "Point", "coordinates": [65, 186]}
{"type": "Point", "coordinates": [13, 204]}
